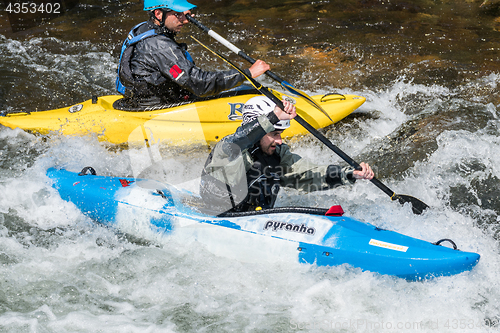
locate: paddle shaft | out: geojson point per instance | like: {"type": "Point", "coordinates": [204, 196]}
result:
{"type": "Point", "coordinates": [338, 151]}
{"type": "Point", "coordinates": [417, 205]}
{"type": "Point", "coordinates": [327, 142]}
{"type": "Point", "coordinates": [265, 91]}
{"type": "Point", "coordinates": [245, 56]}
{"type": "Point", "coordinates": [232, 47]}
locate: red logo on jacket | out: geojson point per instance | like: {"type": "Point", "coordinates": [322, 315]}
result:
{"type": "Point", "coordinates": [176, 71]}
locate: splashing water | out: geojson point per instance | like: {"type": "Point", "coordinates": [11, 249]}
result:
{"type": "Point", "coordinates": [61, 272]}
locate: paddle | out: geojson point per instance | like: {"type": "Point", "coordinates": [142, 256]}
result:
{"type": "Point", "coordinates": [417, 205]}
{"type": "Point", "coordinates": [245, 56]}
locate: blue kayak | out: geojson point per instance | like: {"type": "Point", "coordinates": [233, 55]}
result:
{"type": "Point", "coordinates": [296, 234]}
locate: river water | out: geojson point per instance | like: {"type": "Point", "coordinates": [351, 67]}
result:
{"type": "Point", "coordinates": [430, 128]}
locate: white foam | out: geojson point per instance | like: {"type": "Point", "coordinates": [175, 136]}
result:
{"type": "Point", "coordinates": [60, 273]}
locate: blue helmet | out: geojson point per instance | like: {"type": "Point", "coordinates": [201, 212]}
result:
{"type": "Point", "coordinates": [175, 5]}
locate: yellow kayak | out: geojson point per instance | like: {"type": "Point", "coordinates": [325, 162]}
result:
{"type": "Point", "coordinates": [199, 122]}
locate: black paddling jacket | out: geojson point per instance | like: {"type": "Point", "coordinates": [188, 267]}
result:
{"type": "Point", "coordinates": [170, 75]}
{"type": "Point", "coordinates": [225, 172]}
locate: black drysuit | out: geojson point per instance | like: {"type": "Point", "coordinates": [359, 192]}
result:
{"type": "Point", "coordinates": [169, 74]}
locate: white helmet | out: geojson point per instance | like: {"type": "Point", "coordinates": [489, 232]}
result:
{"type": "Point", "coordinates": [259, 105]}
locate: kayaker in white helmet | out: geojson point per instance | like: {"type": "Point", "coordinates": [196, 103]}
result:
{"type": "Point", "coordinates": [155, 70]}
{"type": "Point", "coordinates": [245, 170]}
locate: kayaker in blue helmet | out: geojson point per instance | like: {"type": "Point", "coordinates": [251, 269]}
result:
{"type": "Point", "coordinates": [245, 170]}
{"type": "Point", "coordinates": [155, 70]}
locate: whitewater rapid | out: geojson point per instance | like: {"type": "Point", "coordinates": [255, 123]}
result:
{"type": "Point", "coordinates": [61, 272]}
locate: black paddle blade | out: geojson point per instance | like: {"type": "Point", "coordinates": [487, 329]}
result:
{"type": "Point", "coordinates": [417, 205]}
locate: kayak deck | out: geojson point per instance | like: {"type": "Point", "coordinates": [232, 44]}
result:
{"type": "Point", "coordinates": [200, 122]}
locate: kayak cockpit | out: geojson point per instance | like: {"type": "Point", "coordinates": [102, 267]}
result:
{"type": "Point", "coordinates": [127, 104]}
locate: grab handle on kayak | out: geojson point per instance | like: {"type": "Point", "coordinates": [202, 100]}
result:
{"type": "Point", "coordinates": [342, 97]}
{"type": "Point", "coordinates": [335, 211]}
{"type": "Point", "coordinates": [446, 240]}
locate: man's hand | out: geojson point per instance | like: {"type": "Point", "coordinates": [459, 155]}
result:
{"type": "Point", "coordinates": [365, 173]}
{"type": "Point", "coordinates": [288, 114]}
{"type": "Point", "coordinates": [258, 68]}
